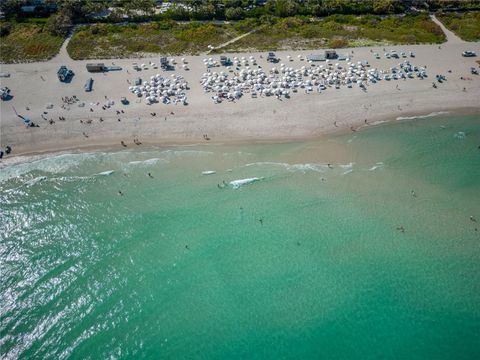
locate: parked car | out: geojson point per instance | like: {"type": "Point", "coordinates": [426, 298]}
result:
{"type": "Point", "coordinates": [469, 53]}
{"type": "Point", "coordinates": [89, 84]}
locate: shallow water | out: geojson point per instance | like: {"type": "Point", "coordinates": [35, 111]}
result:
{"type": "Point", "coordinates": [302, 259]}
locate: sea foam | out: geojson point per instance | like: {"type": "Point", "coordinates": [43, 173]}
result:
{"type": "Point", "coordinates": [378, 165]}
{"type": "Point", "coordinates": [436, 113]}
{"type": "Point", "coordinates": [291, 167]}
{"type": "Point", "coordinates": [240, 182]}
{"type": "Point", "coordinates": [148, 162]}
{"type": "Point", "coordinates": [46, 163]}
{"type": "Point", "coordinates": [106, 173]}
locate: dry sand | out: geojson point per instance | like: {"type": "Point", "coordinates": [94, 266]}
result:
{"type": "Point", "coordinates": [35, 85]}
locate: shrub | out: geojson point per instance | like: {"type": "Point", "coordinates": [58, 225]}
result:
{"type": "Point", "coordinates": [234, 13]}
{"type": "Point", "coordinates": [59, 24]}
{"type": "Point", "coordinates": [5, 29]}
{"type": "Point", "coordinates": [337, 43]}
{"type": "Point", "coordinates": [165, 25]}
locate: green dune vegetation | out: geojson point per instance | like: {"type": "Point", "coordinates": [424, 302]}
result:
{"type": "Point", "coordinates": [166, 37]}
{"type": "Point", "coordinates": [271, 33]}
{"type": "Point", "coordinates": [465, 25]}
{"type": "Point", "coordinates": [338, 31]}
{"type": "Point", "coordinates": [27, 41]}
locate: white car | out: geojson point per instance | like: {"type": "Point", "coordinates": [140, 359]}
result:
{"type": "Point", "coordinates": [469, 53]}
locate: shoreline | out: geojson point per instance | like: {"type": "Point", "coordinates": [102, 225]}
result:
{"type": "Point", "coordinates": [111, 146]}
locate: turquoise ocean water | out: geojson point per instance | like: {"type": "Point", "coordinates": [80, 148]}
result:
{"type": "Point", "coordinates": [372, 257]}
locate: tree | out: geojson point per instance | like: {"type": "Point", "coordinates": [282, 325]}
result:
{"type": "Point", "coordinates": [92, 7]}
{"type": "Point", "coordinates": [234, 13]}
{"type": "Point", "coordinates": [205, 12]}
{"type": "Point", "coordinates": [143, 7]}
{"type": "Point", "coordinates": [59, 24]}
{"type": "Point", "coordinates": [5, 28]}
{"type": "Point", "coordinates": [177, 13]}
{"type": "Point", "coordinates": [78, 10]}
{"type": "Point", "coordinates": [11, 7]}
{"type": "Point", "coordinates": [383, 6]}
{"type": "Point", "coordinates": [284, 8]}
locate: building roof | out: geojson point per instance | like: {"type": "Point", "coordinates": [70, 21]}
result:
{"type": "Point", "coordinates": [315, 57]}
{"type": "Point", "coordinates": [28, 9]}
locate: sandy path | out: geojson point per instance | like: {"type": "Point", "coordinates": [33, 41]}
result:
{"type": "Point", "coordinates": [451, 37]}
{"type": "Point", "coordinates": [63, 57]}
{"type": "Point", "coordinates": [233, 40]}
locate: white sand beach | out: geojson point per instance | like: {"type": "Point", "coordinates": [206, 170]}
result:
{"type": "Point", "coordinates": [35, 85]}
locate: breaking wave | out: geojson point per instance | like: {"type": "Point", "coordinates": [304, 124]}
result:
{"type": "Point", "coordinates": [436, 113]}
{"type": "Point", "coordinates": [240, 182]}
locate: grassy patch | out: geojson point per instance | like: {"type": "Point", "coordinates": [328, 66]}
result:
{"type": "Point", "coordinates": [30, 41]}
{"type": "Point", "coordinates": [465, 25]}
{"type": "Point", "coordinates": [340, 31]}
{"type": "Point", "coordinates": [168, 37]}
{"type": "Point", "coordinates": [165, 37]}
